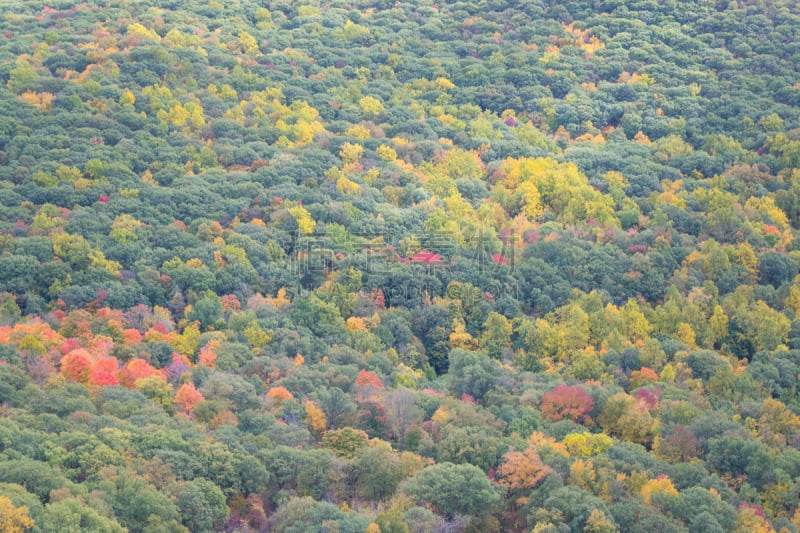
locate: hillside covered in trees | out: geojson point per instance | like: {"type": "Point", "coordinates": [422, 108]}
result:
{"type": "Point", "coordinates": [377, 266]}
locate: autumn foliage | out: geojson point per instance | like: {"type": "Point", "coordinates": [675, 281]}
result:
{"type": "Point", "coordinates": [521, 470]}
{"type": "Point", "coordinates": [567, 401]}
{"type": "Point", "coordinates": [367, 384]}
{"type": "Point", "coordinates": [76, 365]}
{"type": "Point", "coordinates": [187, 397]}
{"type": "Point", "coordinates": [399, 266]}
{"type": "Point", "coordinates": [134, 370]}
{"type": "Point", "coordinates": [279, 393]}
{"type": "Point", "coordinates": [315, 417]}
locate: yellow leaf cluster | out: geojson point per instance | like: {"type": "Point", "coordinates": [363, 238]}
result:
{"type": "Point", "coordinates": [539, 440]}
{"type": "Point", "coordinates": [13, 519]}
{"type": "Point", "coordinates": [248, 43]}
{"type": "Point", "coordinates": [359, 132]}
{"type": "Point", "coordinates": [370, 105]}
{"type": "Point", "coordinates": [387, 153]}
{"type": "Point", "coordinates": [305, 223]}
{"type": "Point", "coordinates": [661, 484]}
{"type": "Point", "coordinates": [315, 418]}
{"type": "Point", "coordinates": [355, 323]}
{"type": "Point", "coordinates": [127, 98]}
{"type": "Point", "coordinates": [350, 153]}
{"type": "Point", "coordinates": [587, 444]}
{"type": "Point", "coordinates": [137, 29]}
{"type": "Point", "coordinates": [256, 336]}
{"type": "Point", "coordinates": [280, 299]}
{"type": "Point", "coordinates": [583, 40]}
{"type": "Point", "coordinates": [460, 338]}
{"type": "Point", "coordinates": [347, 186]}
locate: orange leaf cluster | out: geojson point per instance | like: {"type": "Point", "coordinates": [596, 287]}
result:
{"type": "Point", "coordinates": [76, 365]}
{"type": "Point", "coordinates": [43, 101]}
{"type": "Point", "coordinates": [643, 376]}
{"type": "Point", "coordinates": [40, 330]}
{"type": "Point", "coordinates": [135, 370]}
{"type": "Point", "coordinates": [315, 417]}
{"type": "Point", "coordinates": [368, 378]}
{"type": "Point", "coordinates": [280, 393]}
{"type": "Point", "coordinates": [522, 470]}
{"type": "Point", "coordinates": [208, 354]}
{"type": "Point", "coordinates": [132, 336]}
{"type": "Point", "coordinates": [104, 372]}
{"type": "Point", "coordinates": [187, 397]}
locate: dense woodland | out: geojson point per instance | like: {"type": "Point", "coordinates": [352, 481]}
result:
{"type": "Point", "coordinates": [353, 266]}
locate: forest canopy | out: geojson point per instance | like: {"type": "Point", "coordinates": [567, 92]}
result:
{"type": "Point", "coordinates": [399, 266]}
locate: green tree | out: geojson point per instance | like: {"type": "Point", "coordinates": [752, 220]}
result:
{"type": "Point", "coordinates": [207, 310]}
{"type": "Point", "coordinates": [322, 318]}
{"type": "Point", "coordinates": [202, 505]}
{"type": "Point", "coordinates": [73, 516]}
{"type": "Point", "coordinates": [136, 502]}
{"type": "Point", "coordinates": [454, 489]}
{"type": "Point", "coordinates": [301, 515]}
{"type": "Point", "coordinates": [378, 471]}
{"type": "Point", "coordinates": [339, 409]}
{"type": "Point", "coordinates": [21, 77]}
{"type": "Point", "coordinates": [496, 335]}
{"type": "Point", "coordinates": [473, 373]}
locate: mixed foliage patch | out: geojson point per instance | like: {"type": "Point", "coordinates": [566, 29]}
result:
{"type": "Point", "coordinates": [399, 266]}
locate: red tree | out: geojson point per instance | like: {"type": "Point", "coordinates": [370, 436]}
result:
{"type": "Point", "coordinates": [567, 402]}
{"type": "Point", "coordinates": [367, 384]}
{"type": "Point", "coordinates": [104, 372]}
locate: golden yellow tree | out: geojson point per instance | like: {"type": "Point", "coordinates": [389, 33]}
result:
{"type": "Point", "coordinates": [316, 418]}
{"type": "Point", "coordinates": [305, 223]}
{"type": "Point", "coordinates": [13, 519]}
{"type": "Point", "coordinates": [661, 484]}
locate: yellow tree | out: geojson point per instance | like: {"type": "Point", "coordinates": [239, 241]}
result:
{"type": "Point", "coordinates": [13, 519]}
{"type": "Point", "coordinates": [659, 485]}
{"type": "Point", "coordinates": [460, 337]}
{"type": "Point", "coordinates": [750, 521]}
{"type": "Point", "coordinates": [587, 444]}
{"type": "Point", "coordinates": [248, 43]}
{"type": "Point", "coordinates": [256, 336]}
{"type": "Point", "coordinates": [598, 523]}
{"type": "Point", "coordinates": [350, 153]}
{"type": "Point", "coordinates": [346, 186]}
{"type": "Point", "coordinates": [315, 418]}
{"type": "Point", "coordinates": [305, 223]}
{"type": "Point", "coordinates": [718, 323]}
{"type": "Point", "coordinates": [370, 105]}
{"type": "Point", "coordinates": [139, 30]}
{"type": "Point", "coordinates": [582, 474]}
{"type": "Point", "coordinates": [624, 417]}
{"type": "Point", "coordinates": [127, 98]}
{"type": "Point", "coordinates": [636, 325]}
{"type": "Point", "coordinates": [385, 152]}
